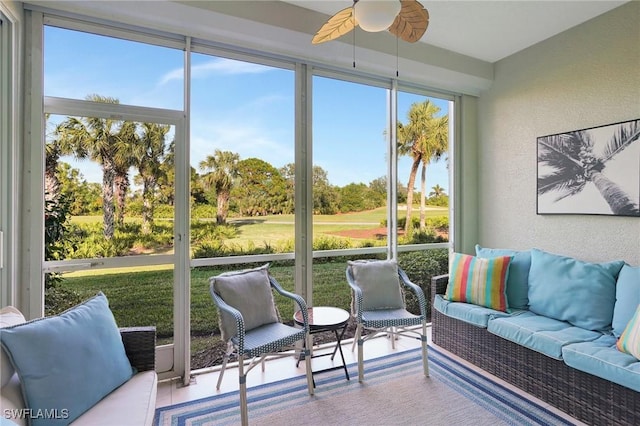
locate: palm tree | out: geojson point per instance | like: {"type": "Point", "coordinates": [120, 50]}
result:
{"type": "Point", "coordinates": [435, 146]}
{"type": "Point", "coordinates": [222, 168]}
{"type": "Point", "coordinates": [436, 191]}
{"type": "Point", "coordinates": [123, 162]}
{"type": "Point", "coordinates": [424, 138]}
{"type": "Point", "coordinates": [574, 163]}
{"type": "Point", "coordinates": [147, 155]}
{"type": "Point", "coordinates": [97, 139]}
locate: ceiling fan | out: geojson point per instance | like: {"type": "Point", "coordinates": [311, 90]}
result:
{"type": "Point", "coordinates": [406, 19]}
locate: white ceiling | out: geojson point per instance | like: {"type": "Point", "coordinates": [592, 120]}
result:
{"type": "Point", "coordinates": [490, 30]}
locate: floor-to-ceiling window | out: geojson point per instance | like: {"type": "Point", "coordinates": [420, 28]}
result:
{"type": "Point", "coordinates": [423, 184]}
{"type": "Point", "coordinates": [350, 174]}
{"type": "Point", "coordinates": [242, 193]}
{"type": "Point", "coordinates": [113, 130]}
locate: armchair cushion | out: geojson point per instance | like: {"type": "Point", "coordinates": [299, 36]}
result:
{"type": "Point", "coordinates": [479, 281]}
{"type": "Point", "coordinates": [248, 291]}
{"type": "Point", "coordinates": [379, 282]}
{"type": "Point", "coordinates": [79, 358]}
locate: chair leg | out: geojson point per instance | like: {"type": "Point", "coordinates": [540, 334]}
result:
{"type": "Point", "coordinates": [425, 354]}
{"type": "Point", "coordinates": [225, 358]}
{"type": "Point", "coordinates": [392, 336]}
{"type": "Point", "coordinates": [307, 363]}
{"type": "Point", "coordinates": [360, 354]}
{"type": "Point", "coordinates": [355, 339]}
{"type": "Point", "coordinates": [242, 378]}
{"type": "Point", "coordinates": [262, 361]}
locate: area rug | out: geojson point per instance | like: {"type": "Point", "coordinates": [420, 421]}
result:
{"type": "Point", "coordinates": [395, 392]}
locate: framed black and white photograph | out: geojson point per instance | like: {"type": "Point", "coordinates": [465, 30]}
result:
{"type": "Point", "coordinates": [591, 171]}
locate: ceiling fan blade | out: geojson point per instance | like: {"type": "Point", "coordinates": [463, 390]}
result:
{"type": "Point", "coordinates": [338, 25]}
{"type": "Point", "coordinates": [412, 21]}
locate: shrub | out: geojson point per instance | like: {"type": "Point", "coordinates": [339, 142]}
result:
{"type": "Point", "coordinates": [203, 211]}
{"type": "Point", "coordinates": [57, 298]}
{"type": "Point", "coordinates": [420, 267]}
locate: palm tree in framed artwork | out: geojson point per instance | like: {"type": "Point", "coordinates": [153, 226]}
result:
{"type": "Point", "coordinates": [573, 163]}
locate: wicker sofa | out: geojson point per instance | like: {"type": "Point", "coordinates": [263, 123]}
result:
{"type": "Point", "coordinates": [584, 396]}
{"type": "Point", "coordinates": [131, 403]}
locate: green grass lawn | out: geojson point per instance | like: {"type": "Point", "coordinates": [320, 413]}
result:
{"type": "Point", "coordinates": [139, 298]}
{"type": "Point", "coordinates": [144, 295]}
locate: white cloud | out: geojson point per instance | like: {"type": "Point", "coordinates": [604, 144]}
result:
{"type": "Point", "coordinates": [220, 66]}
{"type": "Point", "coordinates": [246, 140]}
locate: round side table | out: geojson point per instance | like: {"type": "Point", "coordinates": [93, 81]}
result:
{"type": "Point", "coordinates": [327, 318]}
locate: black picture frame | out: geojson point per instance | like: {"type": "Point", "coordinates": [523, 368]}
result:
{"type": "Point", "coordinates": [592, 171]}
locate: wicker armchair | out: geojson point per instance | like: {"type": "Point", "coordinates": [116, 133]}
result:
{"type": "Point", "coordinates": [235, 296]}
{"type": "Point", "coordinates": [374, 314]}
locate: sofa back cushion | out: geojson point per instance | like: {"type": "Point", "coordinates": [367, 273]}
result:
{"type": "Point", "coordinates": [479, 281]}
{"type": "Point", "coordinates": [567, 289]}
{"type": "Point", "coordinates": [627, 298]}
{"type": "Point", "coordinates": [518, 279]}
{"type": "Point", "coordinates": [69, 362]}
{"type": "Point", "coordinates": [8, 316]}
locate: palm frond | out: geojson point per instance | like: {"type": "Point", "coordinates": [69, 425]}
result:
{"type": "Point", "coordinates": [559, 182]}
{"type": "Point", "coordinates": [572, 190]}
{"type": "Point", "coordinates": [626, 134]}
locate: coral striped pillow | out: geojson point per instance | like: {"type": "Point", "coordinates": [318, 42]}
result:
{"type": "Point", "coordinates": [629, 340]}
{"type": "Point", "coordinates": [479, 281]}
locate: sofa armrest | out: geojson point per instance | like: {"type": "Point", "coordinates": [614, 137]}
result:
{"type": "Point", "coordinates": [438, 285]}
{"type": "Point", "coordinates": [140, 346]}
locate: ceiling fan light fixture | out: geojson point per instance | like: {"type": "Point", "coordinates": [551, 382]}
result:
{"type": "Point", "coordinates": [376, 15]}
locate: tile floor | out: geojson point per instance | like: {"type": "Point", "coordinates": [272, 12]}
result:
{"type": "Point", "coordinates": [204, 385]}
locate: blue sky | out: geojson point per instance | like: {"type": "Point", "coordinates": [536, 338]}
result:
{"type": "Point", "coordinates": [237, 106]}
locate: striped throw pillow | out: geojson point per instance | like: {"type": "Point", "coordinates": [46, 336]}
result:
{"type": "Point", "coordinates": [629, 340]}
{"type": "Point", "coordinates": [479, 281]}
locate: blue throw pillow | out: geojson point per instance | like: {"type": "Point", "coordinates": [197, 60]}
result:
{"type": "Point", "coordinates": [581, 293]}
{"type": "Point", "coordinates": [518, 280]}
{"type": "Point", "coordinates": [67, 363]}
{"type": "Point", "coordinates": [627, 298]}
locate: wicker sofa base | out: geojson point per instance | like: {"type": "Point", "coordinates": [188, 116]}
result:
{"type": "Point", "coordinates": [583, 396]}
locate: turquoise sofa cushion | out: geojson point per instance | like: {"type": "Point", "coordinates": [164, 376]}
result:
{"type": "Point", "coordinates": [467, 312]}
{"type": "Point", "coordinates": [571, 290]}
{"type": "Point", "coordinates": [601, 358]}
{"type": "Point", "coordinates": [540, 333]}
{"type": "Point", "coordinates": [627, 298]}
{"type": "Point", "coordinates": [67, 363]}
{"type": "Point", "coordinates": [518, 279]}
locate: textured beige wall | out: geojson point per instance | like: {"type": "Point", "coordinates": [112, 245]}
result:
{"type": "Point", "coordinates": [587, 76]}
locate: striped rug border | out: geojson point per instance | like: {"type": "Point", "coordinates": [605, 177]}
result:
{"type": "Point", "coordinates": [506, 404]}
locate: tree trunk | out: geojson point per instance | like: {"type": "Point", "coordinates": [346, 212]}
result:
{"type": "Point", "coordinates": [147, 205]}
{"type": "Point", "coordinates": [107, 200]}
{"type": "Point", "coordinates": [412, 180]}
{"type": "Point", "coordinates": [121, 187]}
{"type": "Point", "coordinates": [423, 190]}
{"type": "Point", "coordinates": [618, 200]}
{"type": "Point", "coordinates": [223, 207]}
